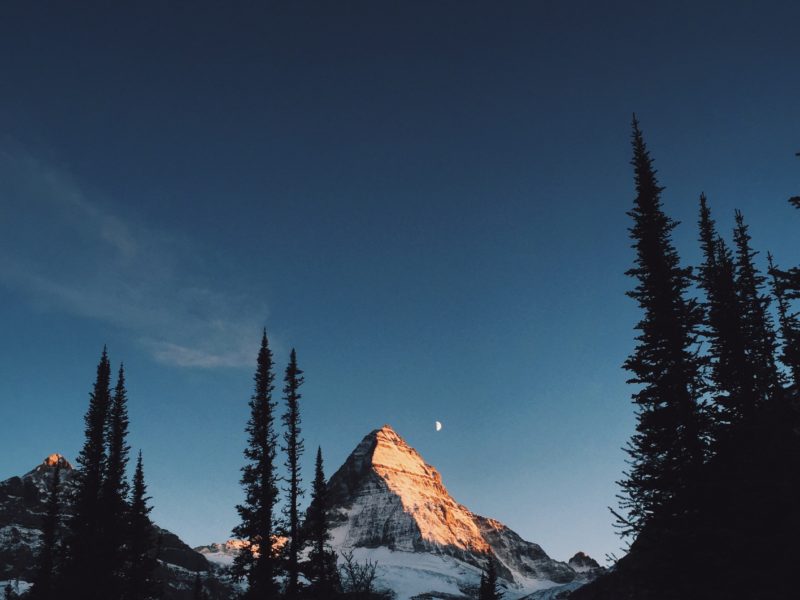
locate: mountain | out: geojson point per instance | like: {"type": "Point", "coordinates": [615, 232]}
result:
{"type": "Point", "coordinates": [390, 506]}
{"type": "Point", "coordinates": [22, 508]}
{"type": "Point", "coordinates": [583, 563]}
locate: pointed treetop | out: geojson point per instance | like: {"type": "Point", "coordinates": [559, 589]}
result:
{"type": "Point", "coordinates": [121, 377]}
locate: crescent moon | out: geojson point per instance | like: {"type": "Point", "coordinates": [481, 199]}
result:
{"type": "Point", "coordinates": [438, 426]}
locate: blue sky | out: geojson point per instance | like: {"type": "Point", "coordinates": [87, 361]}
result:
{"type": "Point", "coordinates": [426, 199]}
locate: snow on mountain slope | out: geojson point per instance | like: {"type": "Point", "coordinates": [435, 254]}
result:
{"type": "Point", "coordinates": [390, 506]}
{"type": "Point", "coordinates": [221, 553]}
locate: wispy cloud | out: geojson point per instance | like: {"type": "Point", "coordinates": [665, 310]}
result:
{"type": "Point", "coordinates": [66, 251]}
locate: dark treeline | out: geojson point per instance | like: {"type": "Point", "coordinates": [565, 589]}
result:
{"type": "Point", "coordinates": [709, 501]}
{"type": "Point", "coordinates": [97, 539]}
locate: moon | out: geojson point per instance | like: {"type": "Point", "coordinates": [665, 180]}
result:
{"type": "Point", "coordinates": [438, 426]}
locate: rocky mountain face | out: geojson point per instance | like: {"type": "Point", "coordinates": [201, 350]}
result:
{"type": "Point", "coordinates": [583, 563]}
{"type": "Point", "coordinates": [22, 508]}
{"type": "Point", "coordinates": [391, 506]}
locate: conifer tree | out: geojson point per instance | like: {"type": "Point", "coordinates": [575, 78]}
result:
{"type": "Point", "coordinates": [757, 325]}
{"type": "Point", "coordinates": [293, 448]}
{"type": "Point", "coordinates": [788, 322]}
{"type": "Point", "coordinates": [84, 540]}
{"type": "Point", "coordinates": [8, 592]}
{"type": "Point", "coordinates": [731, 371]}
{"type": "Point", "coordinates": [115, 486]}
{"type": "Point", "coordinates": [257, 561]}
{"type": "Point", "coordinates": [667, 450]}
{"type": "Point", "coordinates": [489, 588]}
{"type": "Point", "coordinates": [140, 582]}
{"type": "Point", "coordinates": [44, 583]}
{"type": "Point", "coordinates": [321, 569]}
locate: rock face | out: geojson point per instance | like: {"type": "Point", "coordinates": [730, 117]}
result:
{"type": "Point", "coordinates": [582, 563]}
{"type": "Point", "coordinates": [386, 497]}
{"type": "Point", "coordinates": [22, 507]}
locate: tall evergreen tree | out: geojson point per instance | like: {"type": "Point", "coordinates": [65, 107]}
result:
{"type": "Point", "coordinates": [115, 486]}
{"type": "Point", "coordinates": [667, 450]}
{"type": "Point", "coordinates": [731, 371]}
{"type": "Point", "coordinates": [257, 561]}
{"type": "Point", "coordinates": [757, 325]}
{"type": "Point", "coordinates": [321, 569]}
{"type": "Point", "coordinates": [489, 588]}
{"type": "Point", "coordinates": [293, 448]}
{"type": "Point", "coordinates": [84, 539]}
{"type": "Point", "coordinates": [140, 582]}
{"type": "Point", "coordinates": [44, 583]}
{"type": "Point", "coordinates": [788, 322]}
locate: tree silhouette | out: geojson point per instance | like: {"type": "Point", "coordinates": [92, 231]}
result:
{"type": "Point", "coordinates": [257, 560]}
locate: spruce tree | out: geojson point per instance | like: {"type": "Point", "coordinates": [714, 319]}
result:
{"type": "Point", "coordinates": [257, 561]}
{"type": "Point", "coordinates": [731, 371]}
{"type": "Point", "coordinates": [140, 582]}
{"type": "Point", "coordinates": [45, 579]}
{"type": "Point", "coordinates": [115, 486]}
{"type": "Point", "coordinates": [84, 538]}
{"type": "Point", "coordinates": [788, 322]}
{"type": "Point", "coordinates": [321, 567]}
{"type": "Point", "coordinates": [667, 450]}
{"type": "Point", "coordinates": [757, 326]}
{"type": "Point", "coordinates": [293, 448]}
{"type": "Point", "coordinates": [489, 588]}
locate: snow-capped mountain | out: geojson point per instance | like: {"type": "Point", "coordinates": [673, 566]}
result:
{"type": "Point", "coordinates": [22, 508]}
{"type": "Point", "coordinates": [390, 506]}
{"type": "Point", "coordinates": [386, 498]}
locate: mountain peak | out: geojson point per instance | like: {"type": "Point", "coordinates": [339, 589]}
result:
{"type": "Point", "coordinates": [407, 496]}
{"type": "Point", "coordinates": [582, 562]}
{"type": "Point", "coordinates": [49, 463]}
{"type": "Point", "coordinates": [56, 459]}
{"type": "Point", "coordinates": [386, 495]}
{"type": "Point", "coordinates": [392, 452]}
{"type": "Point", "coordinates": [44, 470]}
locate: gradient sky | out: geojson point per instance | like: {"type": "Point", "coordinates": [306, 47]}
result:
{"type": "Point", "coordinates": [426, 199]}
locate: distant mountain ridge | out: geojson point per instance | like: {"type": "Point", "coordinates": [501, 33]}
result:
{"type": "Point", "coordinates": [22, 508]}
{"type": "Point", "coordinates": [388, 505]}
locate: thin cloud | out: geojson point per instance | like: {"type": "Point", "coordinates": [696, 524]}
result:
{"type": "Point", "coordinates": [68, 253]}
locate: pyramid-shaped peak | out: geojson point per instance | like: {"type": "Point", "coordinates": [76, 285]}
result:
{"type": "Point", "coordinates": [392, 452]}
{"type": "Point", "coordinates": [388, 433]}
{"type": "Point", "coordinates": [400, 499]}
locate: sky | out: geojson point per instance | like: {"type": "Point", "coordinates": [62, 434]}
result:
{"type": "Point", "coordinates": [426, 199]}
